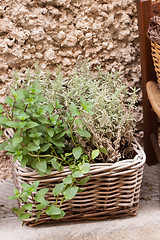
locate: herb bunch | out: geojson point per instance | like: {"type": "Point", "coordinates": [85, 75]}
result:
{"type": "Point", "coordinates": [43, 141]}
{"type": "Point", "coordinates": [112, 123]}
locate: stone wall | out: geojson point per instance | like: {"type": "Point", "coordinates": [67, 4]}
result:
{"type": "Point", "coordinates": [58, 31]}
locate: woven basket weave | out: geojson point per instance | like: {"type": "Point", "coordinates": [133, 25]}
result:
{"type": "Point", "coordinates": [155, 51]}
{"type": "Point", "coordinates": [113, 190]}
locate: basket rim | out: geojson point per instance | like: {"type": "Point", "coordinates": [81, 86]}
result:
{"type": "Point", "coordinates": [136, 162]}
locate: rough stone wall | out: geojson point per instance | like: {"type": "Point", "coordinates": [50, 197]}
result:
{"type": "Point", "coordinates": [58, 31]}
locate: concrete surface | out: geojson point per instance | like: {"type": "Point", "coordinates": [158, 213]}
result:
{"type": "Point", "coordinates": [144, 226]}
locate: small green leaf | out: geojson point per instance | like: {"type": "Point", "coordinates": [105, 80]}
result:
{"type": "Point", "coordinates": [28, 206]}
{"type": "Point", "coordinates": [15, 210]}
{"type": "Point", "coordinates": [12, 124]}
{"type": "Point", "coordinates": [59, 143]}
{"type": "Point", "coordinates": [31, 125]}
{"type": "Point", "coordinates": [84, 168]}
{"type": "Point", "coordinates": [95, 153]}
{"type": "Point", "coordinates": [9, 101]}
{"type": "Point", "coordinates": [58, 189]}
{"type": "Point", "coordinates": [13, 197]}
{"type": "Point", "coordinates": [35, 135]}
{"type": "Point", "coordinates": [85, 180]}
{"type": "Point", "coordinates": [56, 217]}
{"type": "Point", "coordinates": [50, 132]}
{"type": "Point", "coordinates": [42, 205]}
{"type": "Point", "coordinates": [24, 161]}
{"type": "Point", "coordinates": [39, 197]}
{"type": "Point", "coordinates": [3, 145]}
{"type": "Point", "coordinates": [45, 147]}
{"type": "Point", "coordinates": [77, 152]}
{"type": "Point", "coordinates": [53, 210]}
{"type": "Point", "coordinates": [68, 179]}
{"type": "Point", "coordinates": [35, 185]}
{"type": "Point", "coordinates": [24, 216]}
{"type": "Point", "coordinates": [36, 141]}
{"type": "Point", "coordinates": [42, 165]}
{"type": "Point", "coordinates": [54, 119]}
{"type": "Point", "coordinates": [32, 147]}
{"type": "Point", "coordinates": [55, 164]}
{"type": "Point", "coordinates": [77, 174]}
{"type": "Point", "coordinates": [70, 192]}
{"type": "Point", "coordinates": [74, 110]}
{"type": "Point", "coordinates": [10, 148]}
{"type": "Point", "coordinates": [16, 140]}
{"type": "Point", "coordinates": [15, 191]}
{"type": "Point", "coordinates": [83, 133]}
{"type": "Point", "coordinates": [79, 123]}
{"type": "Point", "coordinates": [103, 150]}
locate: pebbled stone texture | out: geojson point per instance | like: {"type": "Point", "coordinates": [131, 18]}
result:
{"type": "Point", "coordinates": [57, 32]}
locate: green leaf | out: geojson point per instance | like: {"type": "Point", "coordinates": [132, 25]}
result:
{"type": "Point", "coordinates": [77, 152]}
{"type": "Point", "coordinates": [12, 124]}
{"type": "Point", "coordinates": [35, 135]}
{"type": "Point", "coordinates": [35, 185]}
{"type": "Point", "coordinates": [28, 206]}
{"type": "Point", "coordinates": [70, 192]}
{"type": "Point", "coordinates": [59, 143]}
{"type": "Point", "coordinates": [103, 150]}
{"type": "Point", "coordinates": [25, 186]}
{"type": "Point", "coordinates": [45, 147]}
{"type": "Point", "coordinates": [55, 164]}
{"type": "Point", "coordinates": [84, 168]}
{"type": "Point", "coordinates": [87, 106]}
{"type": "Point", "coordinates": [54, 119]}
{"type": "Point", "coordinates": [50, 132]}
{"type": "Point", "coordinates": [83, 133]}
{"type": "Point", "coordinates": [53, 210]}
{"type": "Point", "coordinates": [68, 179]}
{"type": "Point", "coordinates": [16, 140]}
{"type": "Point", "coordinates": [13, 197]}
{"type": "Point", "coordinates": [74, 110]}
{"type": "Point", "coordinates": [59, 135]}
{"type": "Point", "coordinates": [24, 161]}
{"type": "Point", "coordinates": [3, 120]}
{"type": "Point", "coordinates": [85, 180]}
{"type": "Point", "coordinates": [24, 216]}
{"type": "Point", "coordinates": [15, 210]}
{"type": "Point", "coordinates": [15, 191]}
{"type": "Point", "coordinates": [9, 101]}
{"type": "Point", "coordinates": [42, 165]}
{"type": "Point", "coordinates": [32, 147]}
{"type": "Point", "coordinates": [38, 216]}
{"type": "Point", "coordinates": [42, 205]}
{"type": "Point", "coordinates": [79, 123]}
{"type": "Point", "coordinates": [95, 153]}
{"type": "Point", "coordinates": [36, 141]}
{"type": "Point", "coordinates": [31, 125]}
{"type": "Point", "coordinates": [77, 174]}
{"type": "Point", "coordinates": [58, 189]}
{"type": "Point", "coordinates": [56, 217]}
{"type": "Point", "coordinates": [22, 116]}
{"type": "Point", "coordinates": [10, 148]}
{"type": "Point", "coordinates": [39, 197]}
{"type": "Point", "coordinates": [22, 124]}
{"type": "Point", "coordinates": [3, 145]}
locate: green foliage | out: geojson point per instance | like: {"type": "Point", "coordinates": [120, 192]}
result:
{"type": "Point", "coordinates": [86, 118]}
{"type": "Point", "coordinates": [107, 120]}
{"type": "Point", "coordinates": [44, 141]}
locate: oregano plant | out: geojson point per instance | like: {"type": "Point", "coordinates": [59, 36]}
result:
{"type": "Point", "coordinates": [43, 140]}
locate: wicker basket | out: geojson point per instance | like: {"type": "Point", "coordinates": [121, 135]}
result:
{"type": "Point", "coordinates": [155, 50]}
{"type": "Point", "coordinates": [113, 190]}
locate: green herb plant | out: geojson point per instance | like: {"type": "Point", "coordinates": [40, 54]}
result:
{"type": "Point", "coordinates": [111, 123]}
{"type": "Point", "coordinates": [43, 140]}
